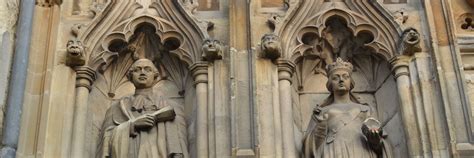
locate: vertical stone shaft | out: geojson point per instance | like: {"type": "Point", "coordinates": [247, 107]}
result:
{"type": "Point", "coordinates": [431, 108]}
{"type": "Point", "coordinates": [242, 102]}
{"type": "Point", "coordinates": [285, 72]}
{"type": "Point", "coordinates": [84, 78]}
{"type": "Point", "coordinates": [401, 73]}
{"type": "Point", "coordinates": [199, 71]}
{"type": "Point", "coordinates": [11, 128]}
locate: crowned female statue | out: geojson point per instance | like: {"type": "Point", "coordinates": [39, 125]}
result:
{"type": "Point", "coordinates": [342, 127]}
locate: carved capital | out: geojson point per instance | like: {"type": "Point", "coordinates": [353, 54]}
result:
{"type": "Point", "coordinates": [286, 69]}
{"type": "Point", "coordinates": [48, 3]}
{"type": "Point", "coordinates": [199, 72]}
{"type": "Point", "coordinates": [400, 65]}
{"type": "Point", "coordinates": [85, 76]}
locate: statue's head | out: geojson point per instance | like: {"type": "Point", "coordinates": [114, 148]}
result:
{"type": "Point", "coordinates": [143, 73]}
{"type": "Point", "coordinates": [340, 77]}
{"type": "Point", "coordinates": [271, 46]}
{"type": "Point", "coordinates": [75, 53]}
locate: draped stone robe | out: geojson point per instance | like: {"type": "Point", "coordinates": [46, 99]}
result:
{"type": "Point", "coordinates": [335, 132]}
{"type": "Point", "coordinates": [119, 139]}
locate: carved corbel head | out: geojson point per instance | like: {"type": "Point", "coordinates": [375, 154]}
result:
{"type": "Point", "coordinates": [410, 42]}
{"type": "Point", "coordinates": [270, 45]}
{"type": "Point", "coordinates": [75, 53]}
{"type": "Point", "coordinates": [212, 50]}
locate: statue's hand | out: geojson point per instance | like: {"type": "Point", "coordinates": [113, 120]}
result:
{"type": "Point", "coordinates": [144, 122]}
{"type": "Point", "coordinates": [372, 130]}
{"type": "Point", "coordinates": [374, 136]}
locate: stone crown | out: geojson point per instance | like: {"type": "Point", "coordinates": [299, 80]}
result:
{"type": "Point", "coordinates": [339, 64]}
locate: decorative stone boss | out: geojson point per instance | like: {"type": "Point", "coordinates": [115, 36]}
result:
{"type": "Point", "coordinates": [341, 126]}
{"type": "Point", "coordinates": [143, 125]}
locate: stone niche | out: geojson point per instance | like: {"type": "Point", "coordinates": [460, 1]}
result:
{"type": "Point", "coordinates": [122, 32]}
{"type": "Point", "coordinates": [374, 83]}
{"type": "Point", "coordinates": [176, 82]}
{"type": "Point", "coordinates": [315, 33]}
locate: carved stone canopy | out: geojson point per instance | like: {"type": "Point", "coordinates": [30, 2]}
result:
{"type": "Point", "coordinates": [176, 29]}
{"type": "Point", "coordinates": [318, 29]}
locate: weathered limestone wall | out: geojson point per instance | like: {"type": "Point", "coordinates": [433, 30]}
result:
{"type": "Point", "coordinates": [254, 106]}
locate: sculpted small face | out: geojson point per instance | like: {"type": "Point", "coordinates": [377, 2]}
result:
{"type": "Point", "coordinates": [340, 81]}
{"type": "Point", "coordinates": [412, 37]}
{"type": "Point", "coordinates": [211, 45]}
{"type": "Point", "coordinates": [270, 42]}
{"type": "Point", "coordinates": [75, 48]}
{"type": "Point", "coordinates": [143, 74]}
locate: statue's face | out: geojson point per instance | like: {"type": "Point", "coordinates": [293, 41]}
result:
{"type": "Point", "coordinates": [143, 74]}
{"type": "Point", "coordinates": [340, 81]}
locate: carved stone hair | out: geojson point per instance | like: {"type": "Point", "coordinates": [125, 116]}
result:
{"type": "Point", "coordinates": [133, 67]}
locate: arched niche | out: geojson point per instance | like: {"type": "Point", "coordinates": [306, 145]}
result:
{"type": "Point", "coordinates": [175, 83]}
{"type": "Point", "coordinates": [316, 32]}
{"type": "Point", "coordinates": [163, 31]}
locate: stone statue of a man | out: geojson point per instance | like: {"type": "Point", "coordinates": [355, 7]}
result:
{"type": "Point", "coordinates": [136, 127]}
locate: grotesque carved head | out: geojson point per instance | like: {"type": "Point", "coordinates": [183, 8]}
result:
{"type": "Point", "coordinates": [143, 73]}
{"type": "Point", "coordinates": [212, 49]}
{"type": "Point", "coordinates": [410, 42]}
{"type": "Point", "coordinates": [75, 53]}
{"type": "Point", "coordinates": [271, 46]}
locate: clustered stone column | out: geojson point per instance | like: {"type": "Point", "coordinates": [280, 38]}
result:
{"type": "Point", "coordinates": [285, 72]}
{"type": "Point", "coordinates": [199, 71]}
{"type": "Point", "coordinates": [85, 76]}
{"type": "Point", "coordinates": [409, 44]}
